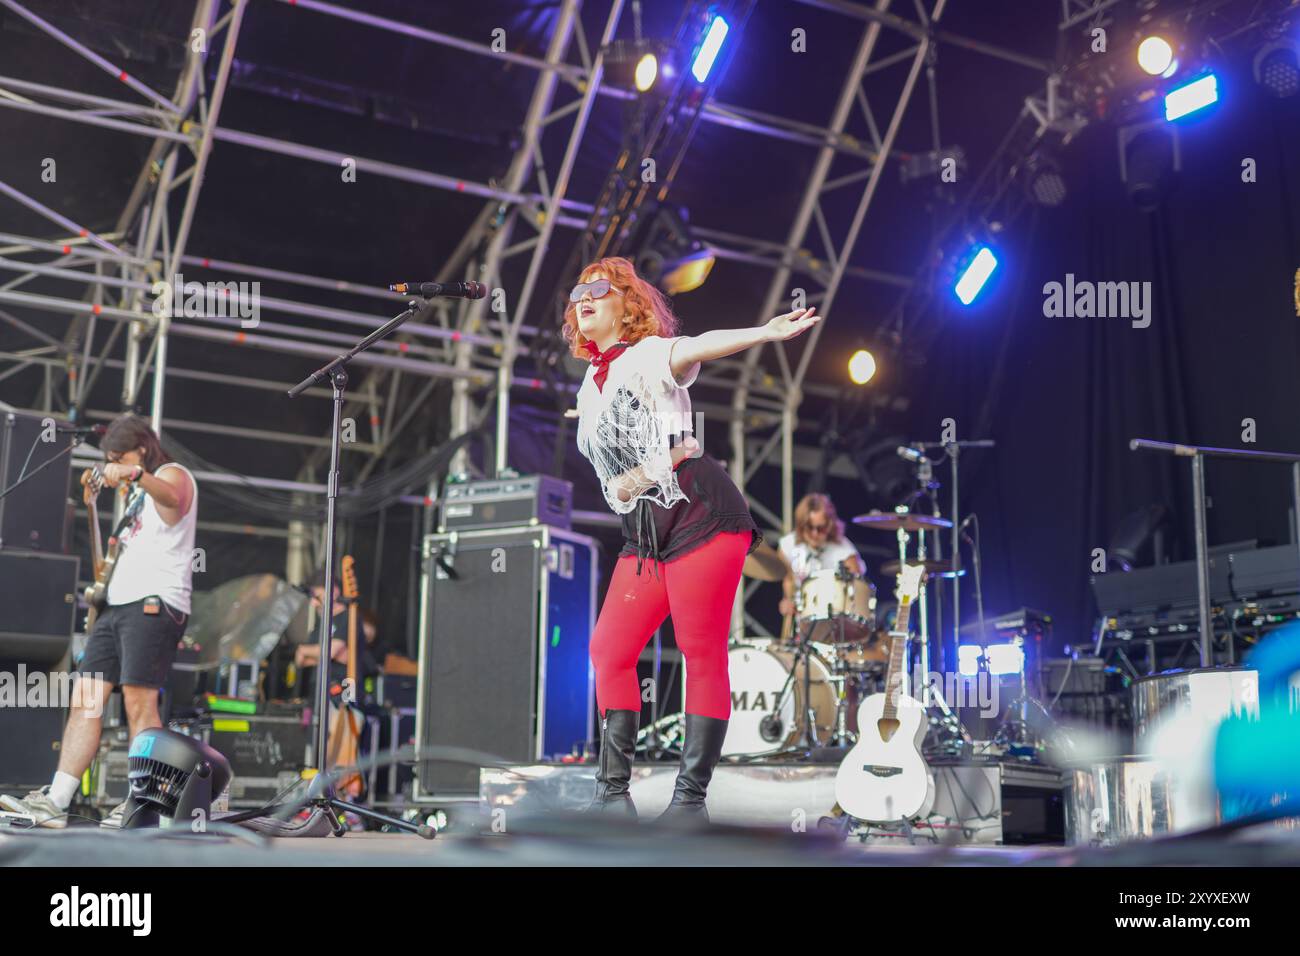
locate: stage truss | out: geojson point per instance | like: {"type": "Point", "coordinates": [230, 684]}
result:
{"type": "Point", "coordinates": [465, 343]}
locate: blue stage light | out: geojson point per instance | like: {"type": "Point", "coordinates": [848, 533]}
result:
{"type": "Point", "coordinates": [1191, 97]}
{"type": "Point", "coordinates": [973, 277]}
{"type": "Point", "coordinates": [704, 59]}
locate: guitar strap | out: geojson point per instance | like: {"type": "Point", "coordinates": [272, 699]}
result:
{"type": "Point", "coordinates": [133, 508]}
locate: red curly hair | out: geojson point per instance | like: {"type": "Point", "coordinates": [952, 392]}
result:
{"type": "Point", "coordinates": [645, 307]}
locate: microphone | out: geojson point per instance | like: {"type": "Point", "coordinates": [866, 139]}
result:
{"type": "Point", "coordinates": [70, 429]}
{"type": "Point", "coordinates": [911, 454]}
{"type": "Point", "coordinates": [429, 290]}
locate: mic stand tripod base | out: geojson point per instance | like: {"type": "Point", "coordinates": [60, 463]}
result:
{"type": "Point", "coordinates": [322, 796]}
{"type": "Point", "coordinates": [948, 724]}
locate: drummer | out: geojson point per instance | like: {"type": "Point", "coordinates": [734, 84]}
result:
{"type": "Point", "coordinates": [816, 544]}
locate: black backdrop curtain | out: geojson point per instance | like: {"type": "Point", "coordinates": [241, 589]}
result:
{"type": "Point", "coordinates": [1069, 393]}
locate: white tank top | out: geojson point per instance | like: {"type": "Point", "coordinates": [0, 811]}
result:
{"type": "Point", "coordinates": [157, 557]}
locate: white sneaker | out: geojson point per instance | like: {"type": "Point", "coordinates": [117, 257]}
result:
{"type": "Point", "coordinates": [39, 807]}
{"type": "Point", "coordinates": [114, 819]}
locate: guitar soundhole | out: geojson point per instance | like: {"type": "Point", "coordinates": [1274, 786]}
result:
{"type": "Point", "coordinates": [887, 727]}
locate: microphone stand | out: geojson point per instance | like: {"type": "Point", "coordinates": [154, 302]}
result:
{"type": "Point", "coordinates": [321, 793]}
{"type": "Point", "coordinates": [953, 450]}
{"type": "Point", "coordinates": [76, 440]}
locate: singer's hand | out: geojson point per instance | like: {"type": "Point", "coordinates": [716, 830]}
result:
{"type": "Point", "coordinates": [794, 323]}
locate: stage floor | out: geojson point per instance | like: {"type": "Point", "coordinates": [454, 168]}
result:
{"type": "Point", "coordinates": [559, 840]}
{"type": "Point", "coordinates": [574, 840]}
{"type": "Point", "coordinates": [764, 815]}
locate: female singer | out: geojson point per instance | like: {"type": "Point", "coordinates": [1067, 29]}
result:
{"type": "Point", "coordinates": [686, 526]}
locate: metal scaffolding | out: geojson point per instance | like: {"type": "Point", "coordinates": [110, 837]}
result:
{"type": "Point", "coordinates": [466, 343]}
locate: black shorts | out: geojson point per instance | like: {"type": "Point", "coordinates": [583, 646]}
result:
{"type": "Point", "coordinates": [131, 647]}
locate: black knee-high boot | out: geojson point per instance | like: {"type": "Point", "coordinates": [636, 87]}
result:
{"type": "Point", "coordinates": [614, 774]}
{"type": "Point", "coordinates": [700, 754]}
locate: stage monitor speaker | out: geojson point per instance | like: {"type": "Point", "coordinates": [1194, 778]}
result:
{"type": "Point", "coordinates": [38, 605]}
{"type": "Point", "coordinates": [507, 617]}
{"type": "Point", "coordinates": [34, 515]}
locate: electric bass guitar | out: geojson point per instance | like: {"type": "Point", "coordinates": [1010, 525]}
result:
{"type": "Point", "coordinates": [102, 565]}
{"type": "Point", "coordinates": [884, 778]}
{"type": "Point", "coordinates": [345, 722]}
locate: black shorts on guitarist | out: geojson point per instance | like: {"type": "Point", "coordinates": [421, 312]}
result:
{"type": "Point", "coordinates": [134, 644]}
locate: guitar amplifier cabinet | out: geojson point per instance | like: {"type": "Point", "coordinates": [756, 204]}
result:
{"type": "Point", "coordinates": [506, 503]}
{"type": "Point", "coordinates": [996, 803]}
{"type": "Point", "coordinates": [38, 605]}
{"type": "Point", "coordinates": [35, 515]}
{"type": "Point", "coordinates": [506, 617]}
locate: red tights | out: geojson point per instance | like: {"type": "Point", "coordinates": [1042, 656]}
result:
{"type": "Point", "coordinates": [698, 590]}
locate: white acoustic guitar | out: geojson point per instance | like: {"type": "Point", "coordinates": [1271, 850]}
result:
{"type": "Point", "coordinates": [884, 778]}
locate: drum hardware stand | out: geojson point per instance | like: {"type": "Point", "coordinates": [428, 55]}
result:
{"type": "Point", "coordinates": [932, 701]}
{"type": "Point", "coordinates": [808, 719]}
{"type": "Point", "coordinates": [654, 744]}
{"type": "Point", "coordinates": [666, 734]}
{"type": "Point", "coordinates": [1014, 732]}
{"type": "Point", "coordinates": [842, 736]}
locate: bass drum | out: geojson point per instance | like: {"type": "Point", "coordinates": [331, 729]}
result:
{"type": "Point", "coordinates": [758, 675]}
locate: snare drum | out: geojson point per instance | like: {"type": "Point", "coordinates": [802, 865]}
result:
{"type": "Point", "coordinates": [837, 608]}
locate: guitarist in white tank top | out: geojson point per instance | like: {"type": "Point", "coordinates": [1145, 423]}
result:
{"type": "Point", "coordinates": [133, 642]}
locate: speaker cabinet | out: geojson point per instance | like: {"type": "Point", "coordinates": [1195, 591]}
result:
{"type": "Point", "coordinates": [34, 515]}
{"type": "Point", "coordinates": [30, 737]}
{"type": "Point", "coordinates": [38, 605]}
{"type": "Point", "coordinates": [506, 619]}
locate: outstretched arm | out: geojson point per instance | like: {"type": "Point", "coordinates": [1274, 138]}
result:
{"type": "Point", "coordinates": [722, 342]}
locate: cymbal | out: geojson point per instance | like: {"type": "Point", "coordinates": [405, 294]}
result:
{"type": "Point", "coordinates": [933, 569]}
{"type": "Point", "coordinates": [765, 564]}
{"type": "Point", "coordinates": [892, 521]}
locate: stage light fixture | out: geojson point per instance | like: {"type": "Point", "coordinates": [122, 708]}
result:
{"type": "Point", "coordinates": [708, 51]}
{"type": "Point", "coordinates": [974, 274]}
{"type": "Point", "coordinates": [669, 256]}
{"type": "Point", "coordinates": [687, 273]}
{"type": "Point", "coordinates": [1277, 68]}
{"type": "Point", "coordinates": [1043, 180]}
{"type": "Point", "coordinates": [1149, 160]}
{"type": "Point", "coordinates": [647, 71]}
{"type": "Point", "coordinates": [1155, 55]}
{"type": "Point", "coordinates": [637, 64]}
{"type": "Point", "coordinates": [1191, 97]}
{"type": "Point", "coordinates": [862, 367]}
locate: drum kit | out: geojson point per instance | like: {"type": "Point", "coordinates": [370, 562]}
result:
{"type": "Point", "coordinates": [798, 694]}
{"type": "Point", "coordinates": [801, 692]}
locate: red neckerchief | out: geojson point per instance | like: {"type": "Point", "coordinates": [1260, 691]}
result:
{"type": "Point", "coordinates": [602, 359]}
